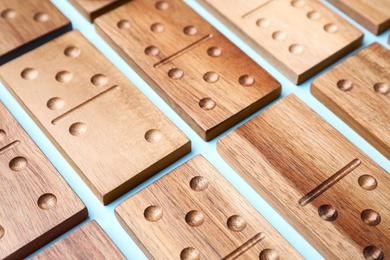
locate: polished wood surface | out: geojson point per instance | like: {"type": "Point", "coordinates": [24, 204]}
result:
{"type": "Point", "coordinates": [37, 205]}
{"type": "Point", "coordinates": [195, 213]}
{"type": "Point", "coordinates": [25, 25]}
{"type": "Point", "coordinates": [298, 37]}
{"type": "Point", "coordinates": [87, 242]}
{"type": "Point", "coordinates": [92, 9]}
{"type": "Point", "coordinates": [329, 190]}
{"type": "Point", "coordinates": [374, 15]}
{"type": "Point", "coordinates": [358, 91]}
{"type": "Point", "coordinates": [209, 82]}
{"type": "Point", "coordinates": [111, 134]}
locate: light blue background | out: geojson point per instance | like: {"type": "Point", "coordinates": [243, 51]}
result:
{"type": "Point", "coordinates": [104, 215]}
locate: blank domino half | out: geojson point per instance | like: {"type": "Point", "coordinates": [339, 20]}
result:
{"type": "Point", "coordinates": [37, 205]}
{"type": "Point", "coordinates": [358, 91]}
{"type": "Point", "coordinates": [299, 37]}
{"type": "Point", "coordinates": [195, 213]}
{"type": "Point", "coordinates": [87, 242]}
{"type": "Point", "coordinates": [25, 25]}
{"type": "Point", "coordinates": [111, 134]}
{"type": "Point", "coordinates": [92, 9]}
{"type": "Point", "coordinates": [208, 81]}
{"type": "Point", "coordinates": [373, 15]}
{"type": "Point", "coordinates": [329, 190]}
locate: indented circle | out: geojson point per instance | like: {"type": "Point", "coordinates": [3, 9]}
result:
{"type": "Point", "coordinates": [47, 201]}
{"type": "Point", "coordinates": [153, 213]}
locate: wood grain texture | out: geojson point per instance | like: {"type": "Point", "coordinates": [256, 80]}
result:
{"type": "Point", "coordinates": [111, 134]}
{"type": "Point", "coordinates": [87, 242]}
{"type": "Point", "coordinates": [299, 37]}
{"type": "Point", "coordinates": [358, 91]}
{"type": "Point", "coordinates": [195, 213]}
{"type": "Point", "coordinates": [209, 82]}
{"type": "Point", "coordinates": [94, 8]}
{"type": "Point", "coordinates": [373, 15]}
{"type": "Point", "coordinates": [37, 205]}
{"type": "Point", "coordinates": [289, 153]}
{"type": "Point", "coordinates": [25, 25]}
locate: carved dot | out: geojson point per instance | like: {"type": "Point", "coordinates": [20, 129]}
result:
{"type": "Point", "coordinates": [153, 213]}
{"type": "Point", "coordinates": [373, 253]}
{"type": "Point", "coordinates": [175, 73]}
{"type": "Point", "coordinates": [328, 213]}
{"type": "Point", "coordinates": [298, 3]}
{"type": "Point", "coordinates": [2, 134]}
{"type": "Point", "coordinates": [64, 76]}
{"type": "Point", "coordinates": [78, 129]}
{"type": "Point", "coordinates": [367, 182]}
{"type": "Point", "coordinates": [152, 51]}
{"type": "Point", "coordinates": [194, 218]}
{"type": "Point", "coordinates": [190, 30]}
{"type": "Point", "coordinates": [8, 14]}
{"type": "Point", "coordinates": [55, 103]}
{"type": "Point", "coordinates": [345, 85]}
{"type": "Point", "coordinates": [153, 136]}
{"type": "Point", "coordinates": [72, 52]}
{"type": "Point", "coordinates": [162, 5]}
{"type": "Point", "coordinates": [269, 254]}
{"type": "Point", "coordinates": [207, 104]}
{"type": "Point", "coordinates": [29, 74]}
{"type": "Point", "coordinates": [246, 80]}
{"type": "Point", "coordinates": [157, 27]}
{"type": "Point", "coordinates": [2, 231]}
{"type": "Point", "coordinates": [199, 183]}
{"type": "Point", "coordinates": [18, 164]}
{"type": "Point", "coordinates": [263, 23]}
{"type": "Point", "coordinates": [236, 223]}
{"type": "Point", "coordinates": [296, 49]}
{"type": "Point", "coordinates": [41, 17]}
{"type": "Point", "coordinates": [99, 80]}
{"type": "Point", "coordinates": [214, 51]}
{"type": "Point", "coordinates": [47, 201]}
{"type": "Point", "coordinates": [370, 217]}
{"type": "Point", "coordinates": [279, 36]}
{"type": "Point", "coordinates": [190, 253]}
{"type": "Point", "coordinates": [123, 24]}
{"type": "Point", "coordinates": [331, 28]}
{"type": "Point", "coordinates": [382, 88]}
{"type": "Point", "coordinates": [211, 77]}
{"type": "Point", "coordinates": [314, 15]}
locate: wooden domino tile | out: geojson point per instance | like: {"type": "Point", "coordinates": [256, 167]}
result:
{"type": "Point", "coordinates": [208, 81]}
{"type": "Point", "coordinates": [87, 242]}
{"type": "Point", "coordinates": [37, 205]}
{"type": "Point", "coordinates": [92, 9]}
{"type": "Point", "coordinates": [299, 37]}
{"type": "Point", "coordinates": [25, 25]}
{"type": "Point", "coordinates": [373, 15]}
{"type": "Point", "coordinates": [195, 213]}
{"type": "Point", "coordinates": [358, 91]}
{"type": "Point", "coordinates": [111, 134]}
{"type": "Point", "coordinates": [329, 190]}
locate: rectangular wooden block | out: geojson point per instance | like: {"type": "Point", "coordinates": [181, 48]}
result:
{"type": "Point", "coordinates": [87, 242]}
{"type": "Point", "coordinates": [210, 83]}
{"type": "Point", "coordinates": [329, 190]}
{"type": "Point", "coordinates": [373, 15]}
{"type": "Point", "coordinates": [111, 134]}
{"type": "Point", "coordinates": [37, 205]}
{"type": "Point", "coordinates": [298, 37]}
{"type": "Point", "coordinates": [358, 91]}
{"type": "Point", "coordinates": [25, 25]}
{"type": "Point", "coordinates": [195, 213]}
{"type": "Point", "coordinates": [94, 8]}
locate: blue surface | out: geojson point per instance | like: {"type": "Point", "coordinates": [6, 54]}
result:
{"type": "Point", "coordinates": [104, 215]}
